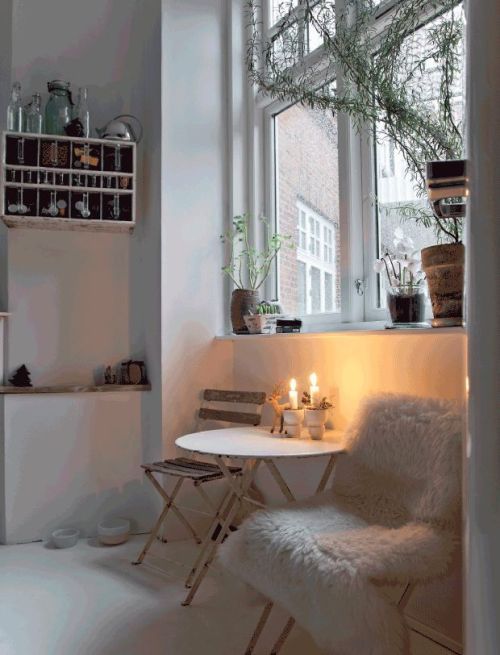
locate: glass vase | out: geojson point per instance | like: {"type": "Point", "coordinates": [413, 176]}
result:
{"type": "Point", "coordinates": [406, 305]}
{"type": "Point", "coordinates": [59, 107]}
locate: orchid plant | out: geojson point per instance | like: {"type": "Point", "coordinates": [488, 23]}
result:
{"type": "Point", "coordinates": [403, 266]}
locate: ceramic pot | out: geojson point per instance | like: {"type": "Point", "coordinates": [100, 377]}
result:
{"type": "Point", "coordinates": [444, 268]}
{"type": "Point", "coordinates": [293, 419]}
{"type": "Point", "coordinates": [243, 301]}
{"type": "Point", "coordinates": [255, 323]}
{"type": "Point", "coordinates": [315, 421]}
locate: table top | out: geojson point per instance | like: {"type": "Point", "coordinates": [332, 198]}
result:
{"type": "Point", "coordinates": [258, 442]}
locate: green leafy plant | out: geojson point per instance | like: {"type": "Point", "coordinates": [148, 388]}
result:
{"type": "Point", "coordinates": [247, 262]}
{"type": "Point", "coordinates": [267, 308]}
{"type": "Point", "coordinates": [383, 75]}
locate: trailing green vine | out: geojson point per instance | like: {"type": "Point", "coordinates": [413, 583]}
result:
{"type": "Point", "coordinates": [381, 75]}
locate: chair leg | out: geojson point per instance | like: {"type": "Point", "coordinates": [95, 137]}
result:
{"type": "Point", "coordinates": [283, 636]}
{"type": "Point", "coordinates": [259, 628]}
{"type": "Point", "coordinates": [230, 512]}
{"type": "Point", "coordinates": [158, 524]}
{"type": "Point", "coordinates": [175, 509]}
{"type": "Point", "coordinates": [217, 522]}
{"type": "Point", "coordinates": [406, 595]}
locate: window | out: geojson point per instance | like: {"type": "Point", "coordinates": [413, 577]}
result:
{"type": "Point", "coordinates": [394, 188]}
{"type": "Point", "coordinates": [307, 202]}
{"type": "Point", "coordinates": [341, 196]}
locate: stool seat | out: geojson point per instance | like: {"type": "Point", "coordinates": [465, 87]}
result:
{"type": "Point", "coordinates": [184, 467]}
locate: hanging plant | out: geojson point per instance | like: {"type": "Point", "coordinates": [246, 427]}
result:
{"type": "Point", "coordinates": [381, 75]}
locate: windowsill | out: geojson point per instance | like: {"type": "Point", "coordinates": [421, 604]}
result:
{"type": "Point", "coordinates": [348, 329]}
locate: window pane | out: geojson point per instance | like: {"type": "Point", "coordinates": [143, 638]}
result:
{"type": "Point", "coordinates": [395, 188]}
{"type": "Point", "coordinates": [315, 290]}
{"type": "Point", "coordinates": [307, 184]}
{"type": "Point", "coordinates": [328, 292]}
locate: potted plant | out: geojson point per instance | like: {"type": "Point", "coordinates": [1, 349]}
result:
{"type": "Point", "coordinates": [257, 321]}
{"type": "Point", "coordinates": [316, 415]}
{"type": "Point", "coordinates": [248, 267]}
{"type": "Point", "coordinates": [405, 293]}
{"type": "Point", "coordinates": [383, 85]}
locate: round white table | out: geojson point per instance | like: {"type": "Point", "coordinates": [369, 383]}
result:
{"type": "Point", "coordinates": [258, 443]}
{"type": "Point", "coordinates": [253, 445]}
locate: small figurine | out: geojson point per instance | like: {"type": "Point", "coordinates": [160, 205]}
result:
{"type": "Point", "coordinates": [21, 377]}
{"type": "Point", "coordinates": [134, 372]}
{"type": "Point", "coordinates": [109, 376]}
{"type": "Point", "coordinates": [273, 399]}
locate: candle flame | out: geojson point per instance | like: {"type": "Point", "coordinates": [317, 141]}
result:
{"type": "Point", "coordinates": [313, 379]}
{"type": "Point", "coordinates": [293, 384]}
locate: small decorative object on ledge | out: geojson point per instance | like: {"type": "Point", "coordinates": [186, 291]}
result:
{"type": "Point", "coordinates": [133, 372]}
{"type": "Point", "coordinates": [21, 377]}
{"type": "Point", "coordinates": [293, 419]}
{"type": "Point", "coordinates": [288, 325]}
{"type": "Point", "coordinates": [262, 318]}
{"type": "Point", "coordinates": [316, 410]}
{"type": "Point", "coordinates": [405, 295]}
{"type": "Point", "coordinates": [248, 268]}
{"type": "Point", "coordinates": [109, 376]}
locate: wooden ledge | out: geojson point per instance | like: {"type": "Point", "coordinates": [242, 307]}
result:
{"type": "Point", "coordinates": [74, 388]}
{"type": "Point", "coordinates": [68, 224]}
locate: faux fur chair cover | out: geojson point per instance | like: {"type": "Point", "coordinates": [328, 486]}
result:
{"type": "Point", "coordinates": [392, 515]}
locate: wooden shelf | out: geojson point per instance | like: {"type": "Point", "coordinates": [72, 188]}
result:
{"type": "Point", "coordinates": [74, 388]}
{"type": "Point", "coordinates": [68, 224]}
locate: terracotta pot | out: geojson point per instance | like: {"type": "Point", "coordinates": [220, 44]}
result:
{"type": "Point", "coordinates": [444, 268]}
{"type": "Point", "coordinates": [243, 301]}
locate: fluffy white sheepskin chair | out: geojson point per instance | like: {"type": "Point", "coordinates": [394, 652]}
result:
{"type": "Point", "coordinates": [392, 516]}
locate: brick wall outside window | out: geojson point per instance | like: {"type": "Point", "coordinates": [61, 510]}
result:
{"type": "Point", "coordinates": [307, 172]}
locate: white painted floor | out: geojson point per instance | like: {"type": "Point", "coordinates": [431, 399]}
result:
{"type": "Point", "coordinates": [89, 600]}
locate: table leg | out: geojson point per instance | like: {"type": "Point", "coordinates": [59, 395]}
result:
{"type": "Point", "coordinates": [285, 489]}
{"type": "Point", "coordinates": [249, 471]}
{"type": "Point", "coordinates": [326, 474]}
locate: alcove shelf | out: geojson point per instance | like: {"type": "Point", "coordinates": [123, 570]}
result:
{"type": "Point", "coordinates": [74, 388]}
{"type": "Point", "coordinates": [68, 224]}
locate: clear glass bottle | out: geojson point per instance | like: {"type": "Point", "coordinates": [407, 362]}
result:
{"type": "Point", "coordinates": [82, 110]}
{"type": "Point", "coordinates": [59, 107]}
{"type": "Point", "coordinates": [15, 111]}
{"type": "Point", "coordinates": [33, 115]}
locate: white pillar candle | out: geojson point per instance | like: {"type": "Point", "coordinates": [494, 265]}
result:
{"type": "Point", "coordinates": [314, 389]}
{"type": "Point", "coordinates": [293, 394]}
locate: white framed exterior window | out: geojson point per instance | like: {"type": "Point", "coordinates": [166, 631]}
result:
{"type": "Point", "coordinates": [316, 179]}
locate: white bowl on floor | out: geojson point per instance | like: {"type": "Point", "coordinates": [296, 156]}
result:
{"type": "Point", "coordinates": [65, 537]}
{"type": "Point", "coordinates": [113, 531]}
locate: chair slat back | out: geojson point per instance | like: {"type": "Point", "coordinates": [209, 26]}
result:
{"type": "Point", "coordinates": [257, 398]}
{"type": "Point", "coordinates": [225, 396]}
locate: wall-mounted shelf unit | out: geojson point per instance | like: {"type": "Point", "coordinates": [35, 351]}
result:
{"type": "Point", "coordinates": [74, 388]}
{"type": "Point", "coordinates": [68, 183]}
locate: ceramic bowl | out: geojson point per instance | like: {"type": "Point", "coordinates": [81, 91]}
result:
{"type": "Point", "coordinates": [113, 531]}
{"type": "Point", "coordinates": [65, 537]}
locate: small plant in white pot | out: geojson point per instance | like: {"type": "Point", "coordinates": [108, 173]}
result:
{"type": "Point", "coordinates": [316, 415]}
{"type": "Point", "coordinates": [257, 321]}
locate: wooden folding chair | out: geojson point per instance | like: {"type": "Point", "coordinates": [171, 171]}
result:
{"type": "Point", "coordinates": [183, 468]}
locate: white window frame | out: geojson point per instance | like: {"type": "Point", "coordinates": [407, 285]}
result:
{"type": "Point", "coordinates": [251, 167]}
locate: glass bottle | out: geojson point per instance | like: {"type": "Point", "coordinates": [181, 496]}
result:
{"type": "Point", "coordinates": [59, 107]}
{"type": "Point", "coordinates": [15, 111]}
{"type": "Point", "coordinates": [33, 115]}
{"type": "Point", "coordinates": [82, 111]}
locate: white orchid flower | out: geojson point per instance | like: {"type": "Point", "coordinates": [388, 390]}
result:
{"type": "Point", "coordinates": [414, 267]}
{"type": "Point", "coordinates": [378, 265]}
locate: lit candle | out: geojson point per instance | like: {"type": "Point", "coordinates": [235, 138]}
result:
{"type": "Point", "coordinates": [293, 394]}
{"type": "Point", "coordinates": [314, 389]}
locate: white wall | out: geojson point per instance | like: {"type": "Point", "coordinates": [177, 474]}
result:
{"type": "Point", "coordinates": [483, 293]}
{"type": "Point", "coordinates": [195, 207]}
{"type": "Point", "coordinates": [79, 301]}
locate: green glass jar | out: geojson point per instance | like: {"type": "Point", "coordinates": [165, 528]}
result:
{"type": "Point", "coordinates": [59, 107]}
